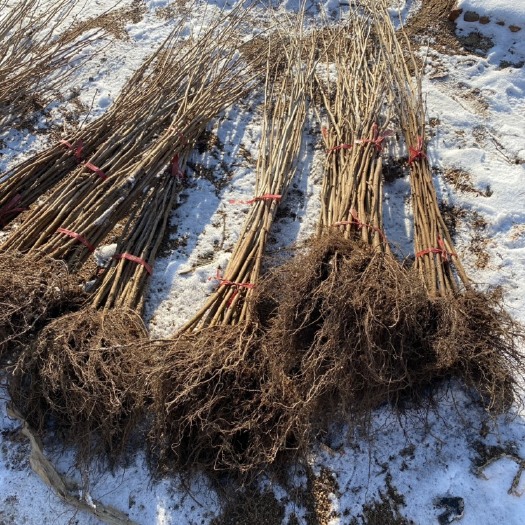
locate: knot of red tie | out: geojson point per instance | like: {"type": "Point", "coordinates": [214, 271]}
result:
{"type": "Point", "coordinates": [441, 251]}
{"type": "Point", "coordinates": [416, 153]}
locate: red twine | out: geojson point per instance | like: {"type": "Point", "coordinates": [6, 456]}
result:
{"type": "Point", "coordinates": [266, 197]}
{"type": "Point", "coordinates": [77, 149]}
{"type": "Point", "coordinates": [337, 148]}
{"type": "Point", "coordinates": [442, 251]}
{"type": "Point", "coordinates": [355, 220]}
{"type": "Point", "coordinates": [237, 286]}
{"type": "Point", "coordinates": [378, 140]}
{"type": "Point", "coordinates": [12, 207]}
{"type": "Point", "coordinates": [78, 237]}
{"type": "Point", "coordinates": [135, 259]}
{"type": "Point", "coordinates": [175, 169]}
{"type": "Point", "coordinates": [417, 152]}
{"type": "Point", "coordinates": [96, 169]}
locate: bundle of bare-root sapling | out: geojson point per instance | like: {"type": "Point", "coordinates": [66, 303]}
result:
{"type": "Point", "coordinates": [474, 338]}
{"type": "Point", "coordinates": [144, 109]}
{"type": "Point", "coordinates": [214, 404]}
{"type": "Point", "coordinates": [38, 52]}
{"type": "Point", "coordinates": [31, 294]}
{"type": "Point", "coordinates": [343, 315]}
{"type": "Point", "coordinates": [81, 374]}
{"type": "Point", "coordinates": [80, 213]}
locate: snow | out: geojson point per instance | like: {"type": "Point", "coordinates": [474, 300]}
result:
{"type": "Point", "coordinates": [477, 105]}
{"type": "Point", "coordinates": [510, 11]}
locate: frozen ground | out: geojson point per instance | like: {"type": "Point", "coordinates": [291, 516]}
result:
{"type": "Point", "coordinates": [476, 112]}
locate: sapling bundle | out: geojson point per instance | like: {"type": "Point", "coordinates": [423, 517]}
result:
{"type": "Point", "coordinates": [214, 403]}
{"type": "Point", "coordinates": [146, 108]}
{"type": "Point", "coordinates": [474, 338]}
{"type": "Point", "coordinates": [342, 317]}
{"type": "Point", "coordinates": [119, 129]}
{"type": "Point", "coordinates": [37, 53]}
{"type": "Point", "coordinates": [83, 370]}
{"type": "Point", "coordinates": [82, 210]}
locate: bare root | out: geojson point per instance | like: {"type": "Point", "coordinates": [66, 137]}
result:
{"type": "Point", "coordinates": [215, 405]}
{"type": "Point", "coordinates": [32, 290]}
{"type": "Point", "coordinates": [80, 377]}
{"type": "Point", "coordinates": [352, 329]}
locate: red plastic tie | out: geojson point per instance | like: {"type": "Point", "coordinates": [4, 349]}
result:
{"type": "Point", "coordinates": [11, 208]}
{"type": "Point", "coordinates": [337, 148]}
{"type": "Point", "coordinates": [355, 220]}
{"type": "Point", "coordinates": [77, 149]}
{"type": "Point", "coordinates": [96, 170]}
{"type": "Point", "coordinates": [175, 169]}
{"type": "Point", "coordinates": [324, 132]}
{"type": "Point", "coordinates": [226, 282]}
{"type": "Point", "coordinates": [416, 153]}
{"type": "Point", "coordinates": [78, 237]}
{"type": "Point", "coordinates": [442, 251]}
{"type": "Point", "coordinates": [237, 286]}
{"type": "Point", "coordinates": [266, 197]}
{"type": "Point", "coordinates": [135, 259]}
{"type": "Point", "coordinates": [378, 140]}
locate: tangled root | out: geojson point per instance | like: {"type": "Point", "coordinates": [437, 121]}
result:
{"type": "Point", "coordinates": [81, 377]}
{"type": "Point", "coordinates": [337, 332]}
{"type": "Point", "coordinates": [350, 329]}
{"type": "Point", "coordinates": [479, 342]}
{"type": "Point", "coordinates": [31, 292]}
{"type": "Point", "coordinates": [215, 405]}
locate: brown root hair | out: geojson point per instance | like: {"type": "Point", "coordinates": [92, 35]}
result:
{"type": "Point", "coordinates": [79, 377]}
{"type": "Point", "coordinates": [215, 405]}
{"type": "Point", "coordinates": [351, 328]}
{"type": "Point", "coordinates": [32, 290]}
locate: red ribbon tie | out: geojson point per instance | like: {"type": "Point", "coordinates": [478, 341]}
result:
{"type": "Point", "coordinates": [416, 153]}
{"type": "Point", "coordinates": [175, 169]}
{"type": "Point", "coordinates": [266, 197]}
{"type": "Point", "coordinates": [237, 286]}
{"type": "Point", "coordinates": [355, 220]}
{"type": "Point", "coordinates": [96, 170]}
{"type": "Point", "coordinates": [78, 237]}
{"type": "Point", "coordinates": [135, 259]}
{"type": "Point", "coordinates": [77, 149]}
{"type": "Point", "coordinates": [378, 140]}
{"type": "Point", "coordinates": [337, 148]}
{"type": "Point", "coordinates": [441, 251]}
